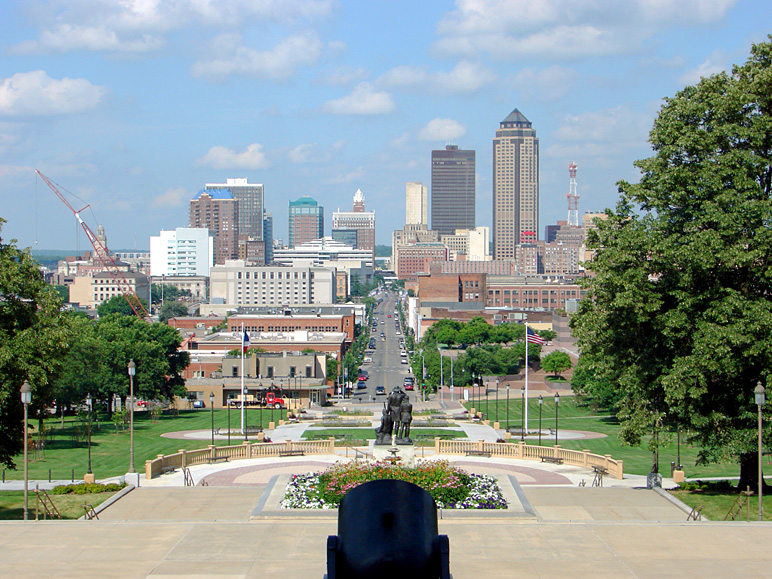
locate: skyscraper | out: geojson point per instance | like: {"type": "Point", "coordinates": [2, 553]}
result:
{"type": "Point", "coordinates": [359, 220]}
{"type": "Point", "coordinates": [453, 190]}
{"type": "Point", "coordinates": [251, 205]}
{"type": "Point", "coordinates": [515, 185]}
{"type": "Point", "coordinates": [416, 204]}
{"type": "Point", "coordinates": [306, 221]}
{"type": "Point", "coordinates": [217, 210]}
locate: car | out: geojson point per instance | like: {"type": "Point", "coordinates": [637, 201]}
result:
{"type": "Point", "coordinates": [368, 360]}
{"type": "Point", "coordinates": [383, 334]}
{"type": "Point", "coordinates": [380, 391]}
{"type": "Point", "coordinates": [399, 333]}
{"type": "Point", "coordinates": [408, 386]}
{"type": "Point", "coordinates": [403, 354]}
{"type": "Point", "coordinates": [363, 378]}
{"type": "Point", "coordinates": [383, 322]}
{"type": "Point", "coordinates": [404, 360]}
{"type": "Point", "coordinates": [361, 385]}
{"type": "Point", "coordinates": [199, 404]}
{"type": "Point", "coordinates": [388, 316]}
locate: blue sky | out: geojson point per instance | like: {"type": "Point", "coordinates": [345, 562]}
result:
{"type": "Point", "coordinates": [133, 105]}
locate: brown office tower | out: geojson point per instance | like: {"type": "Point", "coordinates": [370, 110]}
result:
{"type": "Point", "coordinates": [453, 190]}
{"type": "Point", "coordinates": [515, 185]}
{"type": "Point", "coordinates": [218, 211]}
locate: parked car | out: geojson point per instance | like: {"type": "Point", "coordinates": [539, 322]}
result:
{"type": "Point", "coordinates": [199, 404]}
{"type": "Point", "coordinates": [361, 385]}
{"type": "Point", "coordinates": [404, 360]}
{"type": "Point", "coordinates": [380, 391]}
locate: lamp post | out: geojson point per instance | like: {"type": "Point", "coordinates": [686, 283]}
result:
{"type": "Point", "coordinates": [507, 407]}
{"type": "Point", "coordinates": [557, 401]}
{"type": "Point", "coordinates": [497, 400]}
{"type": "Point", "coordinates": [88, 404]}
{"type": "Point", "coordinates": [26, 398]}
{"type": "Point", "coordinates": [761, 398]}
{"type": "Point", "coordinates": [228, 402]}
{"type": "Point", "coordinates": [132, 369]}
{"type": "Point", "coordinates": [211, 405]}
{"type": "Point", "coordinates": [522, 413]}
{"type": "Point", "coordinates": [541, 401]}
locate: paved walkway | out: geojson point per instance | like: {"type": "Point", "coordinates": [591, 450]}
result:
{"type": "Point", "coordinates": [205, 532]}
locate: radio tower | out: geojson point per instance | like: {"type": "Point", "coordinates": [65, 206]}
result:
{"type": "Point", "coordinates": [573, 197]}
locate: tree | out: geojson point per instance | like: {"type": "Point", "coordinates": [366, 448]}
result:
{"type": "Point", "coordinates": [117, 305]}
{"type": "Point", "coordinates": [679, 312]}
{"type": "Point", "coordinates": [33, 339]}
{"type": "Point", "coordinates": [556, 362]}
{"type": "Point", "coordinates": [172, 310]}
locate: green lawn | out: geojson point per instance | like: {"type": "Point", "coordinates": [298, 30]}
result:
{"type": "Point", "coordinates": [69, 506]}
{"type": "Point", "coordinates": [573, 416]}
{"type": "Point", "coordinates": [110, 450]}
{"type": "Point", "coordinates": [715, 503]}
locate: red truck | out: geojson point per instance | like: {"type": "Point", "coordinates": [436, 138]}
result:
{"type": "Point", "coordinates": [269, 399]}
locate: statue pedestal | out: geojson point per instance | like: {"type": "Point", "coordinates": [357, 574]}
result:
{"type": "Point", "coordinates": [405, 452]}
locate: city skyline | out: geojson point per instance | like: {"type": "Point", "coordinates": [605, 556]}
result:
{"type": "Point", "coordinates": [133, 106]}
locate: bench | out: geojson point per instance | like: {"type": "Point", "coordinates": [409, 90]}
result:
{"type": "Point", "coordinates": [168, 469]}
{"type": "Point", "coordinates": [292, 453]}
{"type": "Point", "coordinates": [478, 453]}
{"type": "Point", "coordinates": [253, 429]}
{"type": "Point", "coordinates": [218, 459]}
{"type": "Point", "coordinates": [552, 459]}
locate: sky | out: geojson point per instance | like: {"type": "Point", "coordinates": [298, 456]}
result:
{"type": "Point", "coordinates": [132, 106]}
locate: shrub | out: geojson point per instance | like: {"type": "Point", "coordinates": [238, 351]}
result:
{"type": "Point", "coordinates": [87, 488]}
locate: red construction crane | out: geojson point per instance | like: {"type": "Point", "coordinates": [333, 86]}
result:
{"type": "Point", "coordinates": [102, 255]}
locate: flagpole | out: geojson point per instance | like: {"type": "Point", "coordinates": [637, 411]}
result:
{"type": "Point", "coordinates": [525, 426]}
{"type": "Point", "coordinates": [243, 427]}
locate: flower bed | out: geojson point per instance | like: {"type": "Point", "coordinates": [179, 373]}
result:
{"type": "Point", "coordinates": [450, 487]}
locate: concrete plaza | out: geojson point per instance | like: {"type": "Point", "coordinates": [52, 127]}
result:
{"type": "Point", "coordinates": [234, 528]}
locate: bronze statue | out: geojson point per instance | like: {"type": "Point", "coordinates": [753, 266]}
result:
{"type": "Point", "coordinates": [405, 418]}
{"type": "Point", "coordinates": [383, 432]}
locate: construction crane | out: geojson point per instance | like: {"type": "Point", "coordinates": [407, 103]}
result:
{"type": "Point", "coordinates": [102, 255]}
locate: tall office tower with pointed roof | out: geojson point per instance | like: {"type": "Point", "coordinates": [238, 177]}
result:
{"type": "Point", "coordinates": [358, 221]}
{"type": "Point", "coordinates": [515, 185]}
{"type": "Point", "coordinates": [453, 190]}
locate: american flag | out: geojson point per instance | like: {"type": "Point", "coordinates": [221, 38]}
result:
{"type": "Point", "coordinates": [245, 343]}
{"type": "Point", "coordinates": [533, 337]}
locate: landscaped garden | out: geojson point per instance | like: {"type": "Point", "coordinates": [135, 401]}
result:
{"type": "Point", "coordinates": [574, 415]}
{"type": "Point", "coordinates": [449, 486]}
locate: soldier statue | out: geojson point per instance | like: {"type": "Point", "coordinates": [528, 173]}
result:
{"type": "Point", "coordinates": [383, 432]}
{"type": "Point", "coordinates": [405, 418]}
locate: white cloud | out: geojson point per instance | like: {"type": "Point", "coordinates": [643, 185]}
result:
{"type": "Point", "coordinates": [354, 175]}
{"type": "Point", "coordinates": [364, 100]}
{"type": "Point", "coordinates": [545, 84]}
{"type": "Point", "coordinates": [141, 25]}
{"type": "Point", "coordinates": [442, 130]}
{"type": "Point", "coordinates": [171, 198]}
{"type": "Point", "coordinates": [279, 63]}
{"type": "Point", "coordinates": [465, 77]}
{"type": "Point", "coordinates": [612, 129]}
{"type": "Point", "coordinates": [715, 63]}
{"type": "Point", "coordinates": [223, 158]}
{"type": "Point", "coordinates": [35, 93]}
{"type": "Point", "coordinates": [14, 170]}
{"type": "Point", "coordinates": [344, 76]}
{"type": "Point", "coordinates": [510, 29]}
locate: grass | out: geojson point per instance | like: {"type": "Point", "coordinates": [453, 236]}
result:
{"type": "Point", "coordinates": [66, 457]}
{"type": "Point", "coordinates": [69, 506]}
{"type": "Point", "coordinates": [574, 416]}
{"type": "Point", "coordinates": [360, 436]}
{"type": "Point", "coordinates": [715, 501]}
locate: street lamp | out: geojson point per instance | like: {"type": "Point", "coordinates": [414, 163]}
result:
{"type": "Point", "coordinates": [26, 398]}
{"type": "Point", "coordinates": [497, 400]}
{"type": "Point", "coordinates": [761, 398]}
{"type": "Point", "coordinates": [507, 407]}
{"type": "Point", "coordinates": [132, 369]}
{"type": "Point", "coordinates": [211, 405]}
{"type": "Point", "coordinates": [557, 401]}
{"type": "Point", "coordinates": [88, 403]}
{"type": "Point", "coordinates": [228, 402]}
{"type": "Point", "coordinates": [541, 401]}
{"type": "Point", "coordinates": [522, 413]}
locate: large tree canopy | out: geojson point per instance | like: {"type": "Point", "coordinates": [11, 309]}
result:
{"type": "Point", "coordinates": [33, 338]}
{"type": "Point", "coordinates": [679, 313]}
